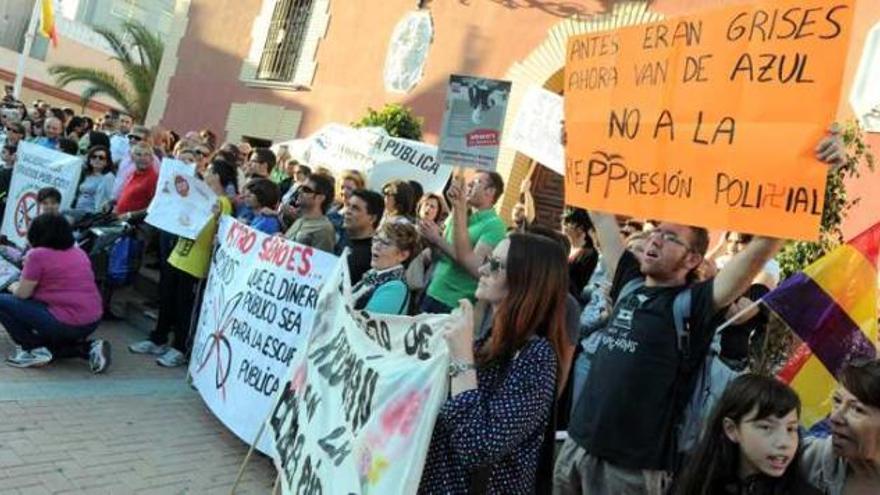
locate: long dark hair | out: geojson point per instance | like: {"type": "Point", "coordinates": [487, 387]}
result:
{"type": "Point", "coordinates": [716, 458]}
{"type": "Point", "coordinates": [537, 284]}
{"type": "Point", "coordinates": [404, 196]}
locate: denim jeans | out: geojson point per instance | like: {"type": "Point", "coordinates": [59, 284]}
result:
{"type": "Point", "coordinates": [30, 324]}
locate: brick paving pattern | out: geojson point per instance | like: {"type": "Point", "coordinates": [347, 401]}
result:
{"type": "Point", "coordinates": [139, 428]}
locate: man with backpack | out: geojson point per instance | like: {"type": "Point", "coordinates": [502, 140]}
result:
{"type": "Point", "coordinates": [625, 430]}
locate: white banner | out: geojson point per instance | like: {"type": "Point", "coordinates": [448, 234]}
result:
{"type": "Point", "coordinates": [538, 129]}
{"type": "Point", "coordinates": [472, 124]}
{"type": "Point", "coordinates": [337, 147]}
{"type": "Point", "coordinates": [258, 309]}
{"type": "Point", "coordinates": [37, 167]}
{"type": "Point", "coordinates": [183, 204]}
{"type": "Point", "coordinates": [405, 159]}
{"type": "Point", "coordinates": [380, 157]}
{"type": "Point", "coordinates": [358, 411]}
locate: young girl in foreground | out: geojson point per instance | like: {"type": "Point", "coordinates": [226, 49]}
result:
{"type": "Point", "coordinates": [750, 443]}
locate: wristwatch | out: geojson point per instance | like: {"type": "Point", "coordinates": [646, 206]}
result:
{"type": "Point", "coordinates": [458, 367]}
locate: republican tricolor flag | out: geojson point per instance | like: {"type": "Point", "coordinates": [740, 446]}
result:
{"type": "Point", "coordinates": [47, 25]}
{"type": "Point", "coordinates": [832, 307]}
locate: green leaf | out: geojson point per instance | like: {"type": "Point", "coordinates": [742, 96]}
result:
{"type": "Point", "coordinates": [139, 53]}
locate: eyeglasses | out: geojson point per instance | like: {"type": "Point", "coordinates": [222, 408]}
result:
{"type": "Point", "coordinates": [668, 236]}
{"type": "Point", "coordinates": [135, 138]}
{"type": "Point", "coordinates": [495, 264]}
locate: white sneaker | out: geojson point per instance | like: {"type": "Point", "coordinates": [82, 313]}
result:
{"type": "Point", "coordinates": [171, 359]}
{"type": "Point", "coordinates": [99, 355]}
{"type": "Point", "coordinates": [30, 359]}
{"type": "Point", "coordinates": [19, 354]}
{"type": "Point", "coordinates": [148, 347]}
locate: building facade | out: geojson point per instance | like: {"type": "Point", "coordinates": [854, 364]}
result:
{"type": "Point", "coordinates": [78, 44]}
{"type": "Point", "coordinates": [274, 70]}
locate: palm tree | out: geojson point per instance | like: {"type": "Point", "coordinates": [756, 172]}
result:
{"type": "Point", "coordinates": [140, 61]}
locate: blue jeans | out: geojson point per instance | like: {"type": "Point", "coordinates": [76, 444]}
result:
{"type": "Point", "coordinates": [30, 324]}
{"type": "Point", "coordinates": [431, 305]}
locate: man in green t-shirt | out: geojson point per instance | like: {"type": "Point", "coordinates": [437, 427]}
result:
{"type": "Point", "coordinates": [472, 231]}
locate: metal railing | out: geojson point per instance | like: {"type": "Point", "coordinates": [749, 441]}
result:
{"type": "Point", "coordinates": [287, 32]}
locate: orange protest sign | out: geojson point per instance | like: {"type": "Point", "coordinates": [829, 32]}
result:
{"type": "Point", "coordinates": [710, 119]}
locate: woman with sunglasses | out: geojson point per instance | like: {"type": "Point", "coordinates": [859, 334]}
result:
{"type": "Point", "coordinates": [96, 189]}
{"type": "Point", "coordinates": [383, 288]}
{"type": "Point", "coordinates": [494, 431]}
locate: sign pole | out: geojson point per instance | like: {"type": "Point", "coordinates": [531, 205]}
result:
{"type": "Point", "coordinates": [25, 52]}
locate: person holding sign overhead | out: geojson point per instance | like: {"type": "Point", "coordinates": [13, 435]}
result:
{"type": "Point", "coordinates": [471, 233]}
{"type": "Point", "coordinates": [614, 447]}
{"type": "Point", "coordinates": [179, 284]}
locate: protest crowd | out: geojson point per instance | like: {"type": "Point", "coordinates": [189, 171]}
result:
{"type": "Point", "coordinates": [574, 352]}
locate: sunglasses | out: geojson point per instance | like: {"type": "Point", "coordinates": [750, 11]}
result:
{"type": "Point", "coordinates": [99, 157]}
{"type": "Point", "coordinates": [200, 152]}
{"type": "Point", "coordinates": [495, 264]}
{"type": "Point", "coordinates": [306, 190]}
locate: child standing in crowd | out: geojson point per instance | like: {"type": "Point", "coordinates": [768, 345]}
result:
{"type": "Point", "coordinates": [187, 266]}
{"type": "Point", "coordinates": [261, 197]}
{"type": "Point", "coordinates": [494, 433]}
{"type": "Point", "coordinates": [751, 443]}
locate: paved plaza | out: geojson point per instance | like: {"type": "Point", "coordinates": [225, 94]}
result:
{"type": "Point", "coordinates": [137, 429]}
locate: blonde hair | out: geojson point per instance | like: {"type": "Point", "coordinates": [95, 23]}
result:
{"type": "Point", "coordinates": [355, 176]}
{"type": "Point", "coordinates": [403, 235]}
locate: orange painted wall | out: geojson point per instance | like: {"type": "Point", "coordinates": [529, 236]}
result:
{"type": "Point", "coordinates": [471, 36]}
{"type": "Point", "coordinates": [484, 37]}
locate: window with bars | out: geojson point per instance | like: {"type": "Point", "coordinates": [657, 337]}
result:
{"type": "Point", "coordinates": [287, 32]}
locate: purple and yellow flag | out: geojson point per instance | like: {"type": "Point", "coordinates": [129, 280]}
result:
{"type": "Point", "coordinates": [832, 307]}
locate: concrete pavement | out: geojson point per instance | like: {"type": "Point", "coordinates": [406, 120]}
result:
{"type": "Point", "coordinates": [139, 428]}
